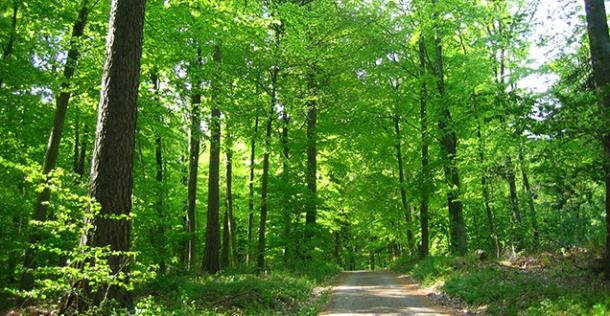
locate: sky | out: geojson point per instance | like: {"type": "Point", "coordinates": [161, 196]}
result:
{"type": "Point", "coordinates": [555, 20]}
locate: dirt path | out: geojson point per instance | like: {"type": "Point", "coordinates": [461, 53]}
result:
{"type": "Point", "coordinates": [378, 293]}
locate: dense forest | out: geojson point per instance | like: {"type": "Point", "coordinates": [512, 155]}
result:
{"type": "Point", "coordinates": [162, 157]}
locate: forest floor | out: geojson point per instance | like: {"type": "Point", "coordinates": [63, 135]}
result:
{"type": "Point", "coordinates": [562, 283]}
{"type": "Point", "coordinates": [379, 292]}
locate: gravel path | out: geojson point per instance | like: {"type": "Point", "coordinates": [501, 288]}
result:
{"type": "Point", "coordinates": [378, 293]}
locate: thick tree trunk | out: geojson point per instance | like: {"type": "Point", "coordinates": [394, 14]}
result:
{"type": "Point", "coordinates": [112, 165]}
{"type": "Point", "coordinates": [312, 164]}
{"type": "Point", "coordinates": [530, 202]}
{"type": "Point", "coordinates": [403, 188]}
{"type": "Point", "coordinates": [193, 160]}
{"type": "Point", "coordinates": [8, 49]}
{"type": "Point", "coordinates": [599, 41]}
{"type": "Point", "coordinates": [425, 173]}
{"type": "Point", "coordinates": [52, 152]}
{"type": "Point", "coordinates": [260, 262]}
{"type": "Point", "coordinates": [211, 262]}
{"type": "Point", "coordinates": [449, 151]}
{"type": "Point", "coordinates": [251, 191]}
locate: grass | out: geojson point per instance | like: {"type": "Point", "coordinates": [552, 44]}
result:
{"type": "Point", "coordinates": [547, 284]}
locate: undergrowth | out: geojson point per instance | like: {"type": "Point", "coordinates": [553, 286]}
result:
{"type": "Point", "coordinates": [546, 284]}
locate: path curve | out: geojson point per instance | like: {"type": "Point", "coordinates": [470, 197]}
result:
{"type": "Point", "coordinates": [379, 293]}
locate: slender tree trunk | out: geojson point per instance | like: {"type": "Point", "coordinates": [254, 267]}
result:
{"type": "Point", "coordinates": [449, 150]}
{"type": "Point", "coordinates": [287, 229]}
{"type": "Point", "coordinates": [530, 201]}
{"type": "Point", "coordinates": [194, 144]}
{"type": "Point", "coordinates": [491, 221]}
{"type": "Point", "coordinates": [599, 41]}
{"type": "Point", "coordinates": [160, 232]}
{"type": "Point", "coordinates": [8, 49]}
{"type": "Point", "coordinates": [425, 175]}
{"type": "Point", "coordinates": [211, 262]}
{"type": "Point", "coordinates": [514, 205]}
{"type": "Point", "coordinates": [312, 164]}
{"type": "Point", "coordinates": [52, 152]}
{"type": "Point", "coordinates": [228, 255]}
{"type": "Point", "coordinates": [251, 190]}
{"type": "Point", "coordinates": [112, 165]}
{"type": "Point", "coordinates": [403, 188]}
{"type": "Point", "coordinates": [260, 262]}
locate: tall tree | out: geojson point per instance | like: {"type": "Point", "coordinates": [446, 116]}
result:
{"type": "Point", "coordinates": [425, 174]}
{"type": "Point", "coordinates": [193, 161]}
{"type": "Point", "coordinates": [112, 165]}
{"type": "Point", "coordinates": [403, 184]}
{"type": "Point", "coordinates": [599, 43]}
{"type": "Point", "coordinates": [52, 152]}
{"type": "Point", "coordinates": [211, 258]}
{"type": "Point", "coordinates": [449, 150]}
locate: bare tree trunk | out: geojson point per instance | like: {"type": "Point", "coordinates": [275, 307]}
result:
{"type": "Point", "coordinates": [228, 254]}
{"type": "Point", "coordinates": [159, 235]}
{"type": "Point", "coordinates": [112, 165]}
{"type": "Point", "coordinates": [52, 152]}
{"type": "Point", "coordinates": [211, 262]}
{"type": "Point", "coordinates": [599, 41]}
{"type": "Point", "coordinates": [425, 175]}
{"type": "Point", "coordinates": [287, 229]}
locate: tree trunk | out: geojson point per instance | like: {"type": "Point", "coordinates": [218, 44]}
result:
{"type": "Point", "coordinates": [449, 151]}
{"type": "Point", "coordinates": [489, 212]}
{"type": "Point", "coordinates": [514, 205]}
{"type": "Point", "coordinates": [52, 152]}
{"type": "Point", "coordinates": [211, 262]}
{"type": "Point", "coordinates": [251, 190]}
{"type": "Point", "coordinates": [425, 174]}
{"type": "Point", "coordinates": [260, 262]}
{"type": "Point", "coordinates": [530, 201]}
{"type": "Point", "coordinates": [229, 243]}
{"type": "Point", "coordinates": [287, 229]}
{"type": "Point", "coordinates": [403, 188]}
{"type": "Point", "coordinates": [599, 41]}
{"type": "Point", "coordinates": [194, 144]}
{"type": "Point", "coordinates": [311, 172]}
{"type": "Point", "coordinates": [111, 177]}
{"type": "Point", "coordinates": [159, 235]}
{"type": "Point", "coordinates": [8, 50]}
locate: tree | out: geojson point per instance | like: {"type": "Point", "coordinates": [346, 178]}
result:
{"type": "Point", "coordinates": [599, 42]}
{"type": "Point", "coordinates": [112, 165]}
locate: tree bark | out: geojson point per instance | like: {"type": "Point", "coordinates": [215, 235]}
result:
{"type": "Point", "coordinates": [425, 175]}
{"type": "Point", "coordinates": [211, 258]}
{"type": "Point", "coordinates": [403, 188]}
{"type": "Point", "coordinates": [229, 243]}
{"type": "Point", "coordinates": [599, 41]}
{"type": "Point", "coordinates": [449, 151]}
{"type": "Point", "coordinates": [52, 151]}
{"type": "Point", "coordinates": [111, 177]}
{"type": "Point", "coordinates": [194, 144]}
{"type": "Point", "coordinates": [514, 205]}
{"type": "Point", "coordinates": [260, 262]}
{"type": "Point", "coordinates": [287, 229]}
